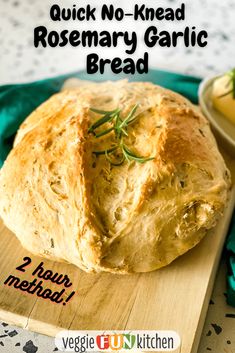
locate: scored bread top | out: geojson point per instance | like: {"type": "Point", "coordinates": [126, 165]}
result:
{"type": "Point", "coordinates": [64, 202]}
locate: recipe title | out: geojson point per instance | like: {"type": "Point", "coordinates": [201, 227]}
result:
{"type": "Point", "coordinates": [153, 36]}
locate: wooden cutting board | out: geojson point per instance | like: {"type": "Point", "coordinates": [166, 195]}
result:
{"type": "Point", "coordinates": [173, 298]}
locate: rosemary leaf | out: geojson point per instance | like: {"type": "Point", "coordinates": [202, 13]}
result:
{"type": "Point", "coordinates": [131, 156]}
{"type": "Point", "coordinates": [102, 112]}
{"type": "Point", "coordinates": [110, 150]}
{"type": "Point", "coordinates": [225, 94]}
{"type": "Point", "coordinates": [129, 117]}
{"type": "Point", "coordinates": [108, 116]}
{"type": "Point", "coordinates": [115, 163]}
{"type": "Point", "coordinates": [231, 82]}
{"type": "Point", "coordinates": [105, 132]}
{"type": "Point", "coordinates": [123, 131]}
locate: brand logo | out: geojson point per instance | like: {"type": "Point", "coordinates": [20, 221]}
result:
{"type": "Point", "coordinates": [111, 341]}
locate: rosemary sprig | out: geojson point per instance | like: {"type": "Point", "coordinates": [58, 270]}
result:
{"type": "Point", "coordinates": [119, 127]}
{"type": "Point", "coordinates": [231, 81]}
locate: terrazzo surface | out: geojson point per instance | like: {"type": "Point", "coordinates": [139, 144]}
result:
{"type": "Point", "coordinates": [21, 62]}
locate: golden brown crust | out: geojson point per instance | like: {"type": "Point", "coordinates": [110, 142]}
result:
{"type": "Point", "coordinates": [65, 203]}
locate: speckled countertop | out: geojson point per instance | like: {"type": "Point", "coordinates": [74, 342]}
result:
{"type": "Point", "coordinates": [20, 61]}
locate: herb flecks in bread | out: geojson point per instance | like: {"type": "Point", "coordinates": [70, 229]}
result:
{"type": "Point", "coordinates": [133, 218]}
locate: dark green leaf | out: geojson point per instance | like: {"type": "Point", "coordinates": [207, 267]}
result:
{"type": "Point", "coordinates": [131, 156]}
{"type": "Point", "coordinates": [106, 118]}
{"type": "Point", "coordinates": [105, 132]}
{"type": "Point", "coordinates": [110, 150]}
{"type": "Point", "coordinates": [109, 116]}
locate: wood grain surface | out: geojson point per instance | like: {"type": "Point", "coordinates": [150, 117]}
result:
{"type": "Point", "coordinates": [173, 298]}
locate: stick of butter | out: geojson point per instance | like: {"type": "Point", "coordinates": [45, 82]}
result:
{"type": "Point", "coordinates": [222, 96]}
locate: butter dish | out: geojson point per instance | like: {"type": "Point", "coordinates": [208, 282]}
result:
{"type": "Point", "coordinates": [223, 128]}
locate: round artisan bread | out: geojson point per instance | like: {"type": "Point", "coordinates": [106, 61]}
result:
{"type": "Point", "coordinates": [66, 203]}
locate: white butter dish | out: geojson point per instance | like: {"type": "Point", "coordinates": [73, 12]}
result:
{"type": "Point", "coordinates": [223, 128]}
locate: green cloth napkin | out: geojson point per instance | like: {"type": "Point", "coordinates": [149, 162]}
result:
{"type": "Point", "coordinates": [230, 246]}
{"type": "Point", "coordinates": [18, 101]}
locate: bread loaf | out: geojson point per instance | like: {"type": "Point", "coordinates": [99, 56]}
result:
{"type": "Point", "coordinates": [66, 203]}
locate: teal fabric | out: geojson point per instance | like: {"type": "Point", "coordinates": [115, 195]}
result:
{"type": "Point", "coordinates": [18, 101]}
{"type": "Point", "coordinates": [231, 264]}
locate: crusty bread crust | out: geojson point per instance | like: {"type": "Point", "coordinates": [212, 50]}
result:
{"type": "Point", "coordinates": [65, 203]}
